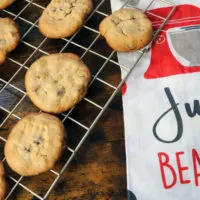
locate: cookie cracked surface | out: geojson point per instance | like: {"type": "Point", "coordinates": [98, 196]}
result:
{"type": "Point", "coordinates": [62, 18]}
{"type": "Point", "coordinates": [35, 144]}
{"type": "Point", "coordinates": [5, 3]}
{"type": "Point", "coordinates": [127, 30]}
{"type": "Point", "coordinates": [3, 184]}
{"type": "Point", "coordinates": [9, 37]}
{"type": "Point", "coordinates": [57, 82]}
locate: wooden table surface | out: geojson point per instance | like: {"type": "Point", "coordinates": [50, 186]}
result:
{"type": "Point", "coordinates": [99, 170]}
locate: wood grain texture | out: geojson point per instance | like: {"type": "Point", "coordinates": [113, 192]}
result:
{"type": "Point", "coordinates": [99, 170]}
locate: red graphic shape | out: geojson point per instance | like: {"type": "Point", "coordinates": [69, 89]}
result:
{"type": "Point", "coordinates": [163, 63]}
{"type": "Point", "coordinates": [124, 88]}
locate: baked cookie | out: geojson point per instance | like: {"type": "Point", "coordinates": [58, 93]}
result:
{"type": "Point", "coordinates": [127, 30]}
{"type": "Point", "coordinates": [3, 184]}
{"type": "Point", "coordinates": [5, 3]}
{"type": "Point", "coordinates": [9, 37]}
{"type": "Point", "coordinates": [62, 18]}
{"type": "Point", "coordinates": [57, 82]}
{"type": "Point", "coordinates": [35, 144]}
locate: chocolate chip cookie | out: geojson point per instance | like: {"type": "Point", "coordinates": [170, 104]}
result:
{"type": "Point", "coordinates": [35, 144]}
{"type": "Point", "coordinates": [5, 3]}
{"type": "Point", "coordinates": [127, 30]}
{"type": "Point", "coordinates": [57, 82]}
{"type": "Point", "coordinates": [62, 18]}
{"type": "Point", "coordinates": [9, 37]}
{"type": "Point", "coordinates": [3, 184]}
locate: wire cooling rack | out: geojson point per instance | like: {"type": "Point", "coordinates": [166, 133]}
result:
{"type": "Point", "coordinates": [88, 44]}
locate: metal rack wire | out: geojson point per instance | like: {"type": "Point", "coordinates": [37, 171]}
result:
{"type": "Point", "coordinates": [67, 116]}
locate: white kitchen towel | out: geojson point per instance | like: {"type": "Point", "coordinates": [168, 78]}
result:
{"type": "Point", "coordinates": [162, 107]}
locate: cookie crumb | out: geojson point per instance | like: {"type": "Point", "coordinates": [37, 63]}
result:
{"type": "Point", "coordinates": [61, 91]}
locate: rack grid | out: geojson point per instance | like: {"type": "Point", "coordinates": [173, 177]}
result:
{"type": "Point", "coordinates": [37, 49]}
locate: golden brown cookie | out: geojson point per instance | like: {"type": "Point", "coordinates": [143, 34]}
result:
{"type": "Point", "coordinates": [35, 144]}
{"type": "Point", "coordinates": [127, 30]}
{"type": "Point", "coordinates": [62, 18]}
{"type": "Point", "coordinates": [57, 82]}
{"type": "Point", "coordinates": [9, 37]}
{"type": "Point", "coordinates": [3, 184]}
{"type": "Point", "coordinates": [5, 3]}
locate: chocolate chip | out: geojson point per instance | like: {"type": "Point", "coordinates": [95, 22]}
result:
{"type": "Point", "coordinates": [36, 90]}
{"type": "Point", "coordinates": [27, 149]}
{"type": "Point", "coordinates": [61, 91]}
{"type": "Point", "coordinates": [68, 12]}
{"type": "Point", "coordinates": [37, 140]}
{"type": "Point", "coordinates": [115, 20]}
{"type": "Point", "coordinates": [53, 10]}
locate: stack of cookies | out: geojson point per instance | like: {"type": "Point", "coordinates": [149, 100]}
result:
{"type": "Point", "coordinates": [57, 82]}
